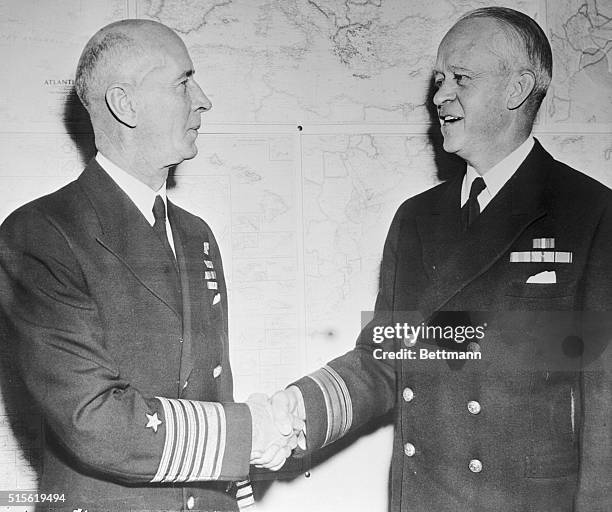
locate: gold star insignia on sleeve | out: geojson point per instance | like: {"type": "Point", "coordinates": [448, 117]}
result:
{"type": "Point", "coordinates": [154, 422]}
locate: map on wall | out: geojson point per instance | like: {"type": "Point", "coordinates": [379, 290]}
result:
{"type": "Point", "coordinates": [581, 37]}
{"type": "Point", "coordinates": [314, 61]}
{"type": "Point", "coordinates": [40, 46]}
{"type": "Point", "coordinates": [300, 215]}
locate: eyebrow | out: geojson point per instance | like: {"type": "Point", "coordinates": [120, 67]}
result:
{"type": "Point", "coordinates": [461, 69]}
{"type": "Point", "coordinates": [453, 69]}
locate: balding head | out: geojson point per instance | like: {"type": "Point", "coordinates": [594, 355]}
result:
{"type": "Point", "coordinates": [120, 52]}
{"type": "Point", "coordinates": [136, 79]}
{"type": "Point", "coordinates": [521, 43]}
{"type": "Point", "coordinates": [491, 74]}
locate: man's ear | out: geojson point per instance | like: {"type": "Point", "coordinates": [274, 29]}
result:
{"type": "Point", "coordinates": [521, 87]}
{"type": "Point", "coordinates": [120, 101]}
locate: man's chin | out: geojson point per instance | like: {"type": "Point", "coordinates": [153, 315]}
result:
{"type": "Point", "coordinates": [450, 146]}
{"type": "Point", "coordinates": [186, 154]}
{"type": "Point", "coordinates": [190, 153]}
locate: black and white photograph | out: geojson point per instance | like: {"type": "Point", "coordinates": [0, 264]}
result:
{"type": "Point", "coordinates": [306, 256]}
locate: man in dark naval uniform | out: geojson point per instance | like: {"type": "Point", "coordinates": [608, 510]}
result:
{"type": "Point", "coordinates": [519, 249]}
{"type": "Point", "coordinates": [117, 308]}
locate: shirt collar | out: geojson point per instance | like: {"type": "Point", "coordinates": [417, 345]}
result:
{"type": "Point", "coordinates": [496, 177]}
{"type": "Point", "coordinates": [139, 193]}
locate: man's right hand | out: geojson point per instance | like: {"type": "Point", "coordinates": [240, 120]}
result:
{"type": "Point", "coordinates": [278, 427]}
{"type": "Point", "coordinates": [273, 436]}
{"type": "Point", "coordinates": [290, 401]}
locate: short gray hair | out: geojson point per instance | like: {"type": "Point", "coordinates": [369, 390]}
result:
{"type": "Point", "coordinates": [104, 49]}
{"type": "Point", "coordinates": [524, 34]}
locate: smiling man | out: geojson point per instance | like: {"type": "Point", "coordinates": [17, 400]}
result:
{"type": "Point", "coordinates": [117, 304]}
{"type": "Point", "coordinates": [489, 88]}
{"type": "Point", "coordinates": [518, 246]}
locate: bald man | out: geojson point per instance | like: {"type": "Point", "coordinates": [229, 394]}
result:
{"type": "Point", "coordinates": [513, 410]}
{"type": "Point", "coordinates": [117, 304]}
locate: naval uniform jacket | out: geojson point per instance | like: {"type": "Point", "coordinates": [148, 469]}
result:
{"type": "Point", "coordinates": [126, 357]}
{"type": "Point", "coordinates": [514, 431]}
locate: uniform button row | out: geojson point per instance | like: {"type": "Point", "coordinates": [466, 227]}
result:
{"type": "Point", "coordinates": [411, 340]}
{"type": "Point", "coordinates": [216, 372]}
{"type": "Point", "coordinates": [473, 406]}
{"type": "Point", "coordinates": [475, 465]}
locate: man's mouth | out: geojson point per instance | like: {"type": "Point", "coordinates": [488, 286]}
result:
{"type": "Point", "coordinates": [448, 119]}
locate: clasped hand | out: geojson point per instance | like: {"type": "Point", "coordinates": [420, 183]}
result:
{"type": "Point", "coordinates": [278, 427]}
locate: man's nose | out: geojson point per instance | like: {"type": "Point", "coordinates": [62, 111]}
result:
{"type": "Point", "coordinates": [445, 92]}
{"type": "Point", "coordinates": [199, 99]}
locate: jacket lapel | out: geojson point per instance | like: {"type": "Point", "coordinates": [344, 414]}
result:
{"type": "Point", "coordinates": [460, 258]}
{"type": "Point", "coordinates": [188, 257]}
{"type": "Point", "coordinates": [129, 237]}
{"type": "Point", "coordinates": [440, 227]}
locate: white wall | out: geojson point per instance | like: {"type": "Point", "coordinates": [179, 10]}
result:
{"type": "Point", "coordinates": [301, 215]}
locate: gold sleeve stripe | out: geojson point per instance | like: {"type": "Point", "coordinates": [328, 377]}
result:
{"type": "Point", "coordinates": [345, 401]}
{"type": "Point", "coordinates": [202, 466]}
{"type": "Point", "coordinates": [208, 462]}
{"type": "Point", "coordinates": [168, 442]}
{"type": "Point", "coordinates": [201, 442]}
{"type": "Point", "coordinates": [213, 442]}
{"type": "Point", "coordinates": [221, 439]}
{"type": "Point", "coordinates": [244, 495]}
{"type": "Point", "coordinates": [181, 430]}
{"type": "Point", "coordinates": [192, 433]}
{"type": "Point", "coordinates": [195, 441]}
{"type": "Point", "coordinates": [338, 403]}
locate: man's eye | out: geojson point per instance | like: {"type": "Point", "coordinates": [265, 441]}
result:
{"type": "Point", "coordinates": [459, 78]}
{"type": "Point", "coordinates": [438, 82]}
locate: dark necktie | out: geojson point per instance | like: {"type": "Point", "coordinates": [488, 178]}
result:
{"type": "Point", "coordinates": [471, 209]}
{"type": "Point", "coordinates": [159, 213]}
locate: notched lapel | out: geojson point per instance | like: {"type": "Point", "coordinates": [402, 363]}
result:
{"type": "Point", "coordinates": [460, 258]}
{"type": "Point", "coordinates": [128, 236]}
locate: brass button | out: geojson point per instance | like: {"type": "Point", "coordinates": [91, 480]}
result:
{"type": "Point", "coordinates": [410, 340]}
{"type": "Point", "coordinates": [217, 371]}
{"type": "Point", "coordinates": [475, 466]}
{"type": "Point", "coordinates": [408, 394]}
{"type": "Point", "coordinates": [190, 502]}
{"type": "Point", "coordinates": [409, 450]}
{"type": "Point", "coordinates": [474, 407]}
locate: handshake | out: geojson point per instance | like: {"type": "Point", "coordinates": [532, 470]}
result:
{"type": "Point", "coordinates": [278, 426]}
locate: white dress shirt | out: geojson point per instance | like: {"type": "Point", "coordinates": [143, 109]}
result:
{"type": "Point", "coordinates": [139, 193]}
{"type": "Point", "coordinates": [497, 176]}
